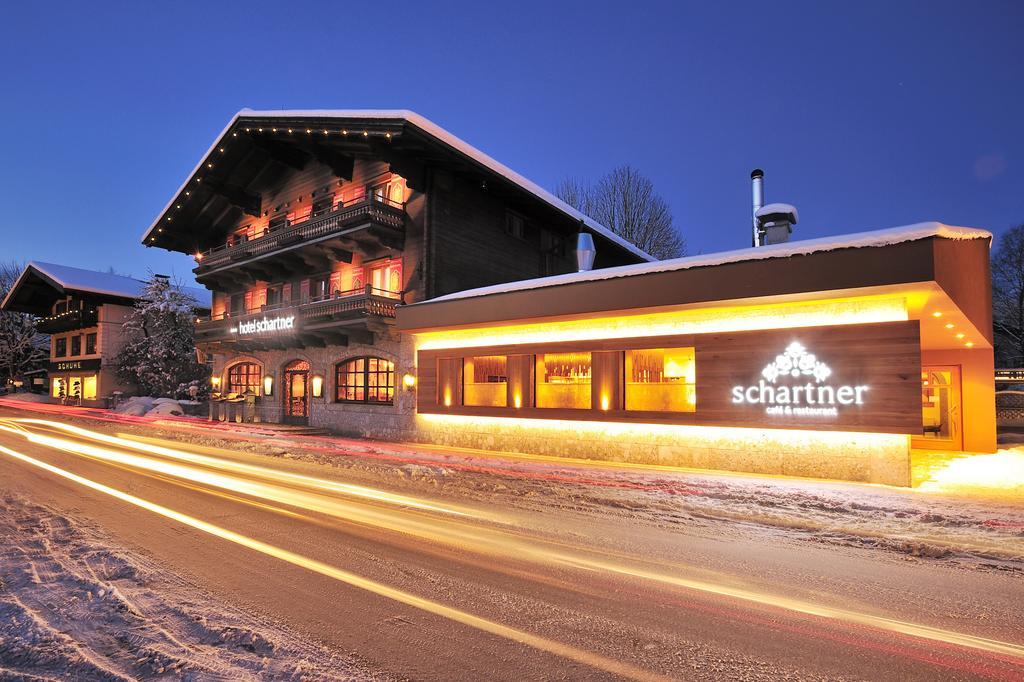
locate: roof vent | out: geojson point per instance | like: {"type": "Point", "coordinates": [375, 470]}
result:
{"type": "Point", "coordinates": [775, 222]}
{"type": "Point", "coordinates": [585, 252]}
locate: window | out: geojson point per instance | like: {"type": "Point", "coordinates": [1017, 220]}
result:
{"type": "Point", "coordinates": [563, 380]}
{"type": "Point", "coordinates": [661, 380]}
{"type": "Point", "coordinates": [76, 345]}
{"type": "Point", "coordinates": [323, 205]}
{"type": "Point", "coordinates": [277, 222]}
{"type": "Point", "coordinates": [485, 381]}
{"type": "Point", "coordinates": [385, 278]}
{"type": "Point", "coordinates": [237, 304]}
{"type": "Point", "coordinates": [515, 225]}
{"type": "Point", "coordinates": [60, 347]}
{"type": "Point", "coordinates": [90, 344]}
{"type": "Point", "coordinates": [365, 380]}
{"type": "Point", "coordinates": [319, 287]}
{"type": "Point", "coordinates": [273, 295]}
{"type": "Point", "coordinates": [391, 192]}
{"type": "Point", "coordinates": [244, 377]}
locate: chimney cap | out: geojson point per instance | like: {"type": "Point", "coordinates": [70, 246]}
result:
{"type": "Point", "coordinates": [768, 211]}
{"type": "Point", "coordinates": [756, 173]}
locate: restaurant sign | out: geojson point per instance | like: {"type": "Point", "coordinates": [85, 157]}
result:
{"type": "Point", "coordinates": [73, 365]}
{"type": "Point", "coordinates": [796, 384]}
{"type": "Point", "coordinates": [265, 325]}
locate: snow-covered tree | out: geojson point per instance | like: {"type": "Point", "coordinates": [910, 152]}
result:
{"type": "Point", "coordinates": [158, 354]}
{"type": "Point", "coordinates": [625, 202]}
{"type": "Point", "coordinates": [22, 348]}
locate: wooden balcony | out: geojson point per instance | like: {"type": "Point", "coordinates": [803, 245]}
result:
{"type": "Point", "coordinates": [368, 225]}
{"type": "Point", "coordinates": [79, 318]}
{"type": "Point", "coordinates": [354, 315]}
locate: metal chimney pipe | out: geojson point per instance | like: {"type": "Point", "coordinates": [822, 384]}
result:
{"type": "Point", "coordinates": [757, 190]}
{"type": "Point", "coordinates": [585, 252]}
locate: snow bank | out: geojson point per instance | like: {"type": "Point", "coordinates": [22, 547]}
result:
{"type": "Point", "coordinates": [859, 240]}
{"type": "Point", "coordinates": [74, 606]}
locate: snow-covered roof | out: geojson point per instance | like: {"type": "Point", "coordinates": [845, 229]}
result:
{"type": "Point", "coordinates": [100, 283]}
{"type": "Point", "coordinates": [895, 235]}
{"type": "Point", "coordinates": [428, 127]}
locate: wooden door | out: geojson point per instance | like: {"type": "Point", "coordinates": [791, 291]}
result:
{"type": "Point", "coordinates": [296, 393]}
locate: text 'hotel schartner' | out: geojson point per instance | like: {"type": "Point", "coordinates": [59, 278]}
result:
{"type": "Point", "coordinates": [830, 357]}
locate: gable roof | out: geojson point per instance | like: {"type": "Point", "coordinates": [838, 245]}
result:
{"type": "Point", "coordinates": [65, 278]}
{"type": "Point", "coordinates": [429, 128]}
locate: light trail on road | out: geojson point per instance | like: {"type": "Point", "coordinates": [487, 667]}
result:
{"type": "Point", "coordinates": [458, 527]}
{"type": "Point", "coordinates": [585, 657]}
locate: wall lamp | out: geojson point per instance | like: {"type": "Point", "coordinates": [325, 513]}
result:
{"type": "Point", "coordinates": [318, 386]}
{"type": "Point", "coordinates": [408, 380]}
{"type": "Point", "coordinates": [268, 384]}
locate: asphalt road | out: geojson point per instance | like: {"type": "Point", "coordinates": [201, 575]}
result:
{"type": "Point", "coordinates": [429, 588]}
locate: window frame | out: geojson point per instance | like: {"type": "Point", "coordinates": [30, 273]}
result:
{"type": "Point", "coordinates": [76, 346]}
{"type": "Point", "coordinates": [364, 374]}
{"type": "Point", "coordinates": [91, 340]}
{"type": "Point", "coordinates": [230, 387]}
{"type": "Point", "coordinates": [60, 347]}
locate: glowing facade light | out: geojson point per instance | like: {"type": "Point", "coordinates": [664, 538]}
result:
{"type": "Point", "coordinates": [215, 381]}
{"type": "Point", "coordinates": [268, 385]}
{"type": "Point", "coordinates": [318, 385]}
{"type": "Point", "coordinates": [408, 380]}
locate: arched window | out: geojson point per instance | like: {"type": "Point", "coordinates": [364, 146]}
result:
{"type": "Point", "coordinates": [244, 377]}
{"type": "Point", "coordinates": [365, 380]}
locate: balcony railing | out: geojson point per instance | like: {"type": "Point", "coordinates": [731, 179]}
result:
{"type": "Point", "coordinates": [369, 209]}
{"type": "Point", "coordinates": [79, 318]}
{"type": "Point", "coordinates": [342, 306]}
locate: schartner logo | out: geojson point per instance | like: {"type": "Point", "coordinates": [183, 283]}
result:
{"type": "Point", "coordinates": [810, 399]}
{"type": "Point", "coordinates": [266, 324]}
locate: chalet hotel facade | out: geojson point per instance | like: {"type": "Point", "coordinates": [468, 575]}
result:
{"type": "Point", "coordinates": [312, 228]}
{"type": "Point", "coordinates": [375, 275]}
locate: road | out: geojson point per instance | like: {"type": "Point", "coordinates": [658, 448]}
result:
{"type": "Point", "coordinates": [429, 587]}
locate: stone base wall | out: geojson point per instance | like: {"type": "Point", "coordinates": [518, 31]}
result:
{"type": "Point", "coordinates": [861, 457]}
{"type": "Point", "coordinates": [372, 421]}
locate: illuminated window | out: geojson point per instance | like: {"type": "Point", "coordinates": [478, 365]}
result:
{"type": "Point", "coordinates": [563, 380]}
{"type": "Point", "coordinates": [661, 380]}
{"type": "Point", "coordinates": [244, 377]}
{"type": "Point", "coordinates": [365, 380]}
{"type": "Point", "coordinates": [89, 387]}
{"type": "Point", "coordinates": [385, 278]}
{"type": "Point", "coordinates": [60, 347]}
{"type": "Point", "coordinates": [485, 381]}
{"type": "Point", "coordinates": [90, 344]}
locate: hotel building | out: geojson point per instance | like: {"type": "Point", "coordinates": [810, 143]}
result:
{"type": "Point", "coordinates": [312, 228]}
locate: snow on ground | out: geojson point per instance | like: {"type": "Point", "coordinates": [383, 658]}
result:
{"type": "Point", "coordinates": [28, 397]}
{"type": "Point", "coordinates": [73, 606]}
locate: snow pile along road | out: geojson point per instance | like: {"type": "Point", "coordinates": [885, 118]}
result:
{"type": "Point", "coordinates": [74, 607]}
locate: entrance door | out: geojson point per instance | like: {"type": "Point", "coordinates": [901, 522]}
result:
{"type": "Point", "coordinates": [941, 414]}
{"type": "Point", "coordinates": [296, 393]}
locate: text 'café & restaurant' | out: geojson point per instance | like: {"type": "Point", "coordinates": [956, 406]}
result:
{"type": "Point", "coordinates": [832, 358]}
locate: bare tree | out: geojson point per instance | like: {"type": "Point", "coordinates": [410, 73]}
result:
{"type": "Point", "coordinates": [624, 201]}
{"type": "Point", "coordinates": [22, 348]}
{"type": "Point", "coordinates": [1008, 298]}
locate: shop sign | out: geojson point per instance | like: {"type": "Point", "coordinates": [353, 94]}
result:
{"type": "Point", "coordinates": [1011, 375]}
{"type": "Point", "coordinates": [73, 365]}
{"type": "Point", "coordinates": [796, 384]}
{"type": "Point", "coordinates": [265, 325]}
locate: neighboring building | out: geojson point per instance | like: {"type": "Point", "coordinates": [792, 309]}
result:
{"type": "Point", "coordinates": [82, 311]}
{"type": "Point", "coordinates": [828, 357]}
{"type": "Point", "coordinates": [312, 227]}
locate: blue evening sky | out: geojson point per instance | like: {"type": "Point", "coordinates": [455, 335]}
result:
{"type": "Point", "coordinates": [865, 115]}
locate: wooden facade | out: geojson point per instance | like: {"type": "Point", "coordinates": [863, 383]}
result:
{"type": "Point", "coordinates": [884, 357]}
